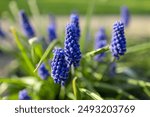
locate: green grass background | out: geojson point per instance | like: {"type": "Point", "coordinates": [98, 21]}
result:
{"type": "Point", "coordinates": [62, 7]}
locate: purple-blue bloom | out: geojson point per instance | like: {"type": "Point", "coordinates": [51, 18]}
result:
{"type": "Point", "coordinates": [74, 18]}
{"type": "Point", "coordinates": [72, 47]}
{"type": "Point", "coordinates": [100, 41]}
{"type": "Point", "coordinates": [59, 66]}
{"type": "Point", "coordinates": [43, 72]}
{"type": "Point", "coordinates": [125, 15]}
{"type": "Point", "coordinates": [118, 42]}
{"type": "Point", "coordinates": [52, 29]}
{"type": "Point", "coordinates": [2, 33]}
{"type": "Point", "coordinates": [23, 95]}
{"type": "Point", "coordinates": [25, 25]}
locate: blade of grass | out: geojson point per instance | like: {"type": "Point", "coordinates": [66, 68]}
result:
{"type": "Point", "coordinates": [76, 89]}
{"type": "Point", "coordinates": [90, 11]}
{"type": "Point", "coordinates": [138, 47]}
{"type": "Point", "coordinates": [20, 81]}
{"type": "Point", "coordinates": [22, 50]}
{"type": "Point", "coordinates": [46, 53]}
{"type": "Point", "coordinates": [91, 94]}
{"type": "Point", "coordinates": [135, 82]}
{"type": "Point", "coordinates": [95, 52]}
{"type": "Point", "coordinates": [115, 89]}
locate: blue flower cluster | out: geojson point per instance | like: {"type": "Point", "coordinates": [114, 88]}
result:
{"type": "Point", "coordinates": [23, 95]}
{"type": "Point", "coordinates": [100, 41]}
{"type": "Point", "coordinates": [71, 46]}
{"type": "Point", "coordinates": [74, 18]}
{"type": "Point", "coordinates": [59, 66]}
{"type": "Point", "coordinates": [52, 29]}
{"type": "Point", "coordinates": [118, 42]}
{"type": "Point", "coordinates": [70, 55]}
{"type": "Point", "coordinates": [43, 72]}
{"type": "Point", "coordinates": [25, 24]}
{"type": "Point", "coordinates": [125, 15]}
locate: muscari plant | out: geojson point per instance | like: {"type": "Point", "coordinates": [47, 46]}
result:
{"type": "Point", "coordinates": [52, 35]}
{"type": "Point", "coordinates": [59, 69]}
{"type": "Point", "coordinates": [100, 41]}
{"type": "Point", "coordinates": [26, 25]}
{"type": "Point", "coordinates": [125, 15]}
{"type": "Point", "coordinates": [63, 71]}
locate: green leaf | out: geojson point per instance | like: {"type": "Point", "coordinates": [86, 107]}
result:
{"type": "Point", "coordinates": [95, 52]}
{"type": "Point", "coordinates": [46, 53]}
{"type": "Point", "coordinates": [115, 89]}
{"type": "Point", "coordinates": [90, 10]}
{"type": "Point", "coordinates": [76, 89]}
{"type": "Point", "coordinates": [20, 81]}
{"type": "Point", "coordinates": [23, 50]}
{"type": "Point", "coordinates": [36, 48]}
{"type": "Point", "coordinates": [91, 94]}
{"type": "Point", "coordinates": [138, 47]}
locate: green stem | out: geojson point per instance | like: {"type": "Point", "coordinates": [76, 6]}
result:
{"type": "Point", "coordinates": [95, 52]}
{"type": "Point", "coordinates": [90, 11]}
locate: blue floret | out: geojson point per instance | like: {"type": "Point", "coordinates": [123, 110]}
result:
{"type": "Point", "coordinates": [43, 72]}
{"type": "Point", "coordinates": [23, 95]}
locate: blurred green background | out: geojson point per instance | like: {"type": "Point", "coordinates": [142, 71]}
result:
{"type": "Point", "coordinates": [66, 6]}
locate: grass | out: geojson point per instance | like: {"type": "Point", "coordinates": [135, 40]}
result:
{"type": "Point", "coordinates": [64, 7]}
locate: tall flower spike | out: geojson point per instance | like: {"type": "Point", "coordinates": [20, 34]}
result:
{"type": "Point", "coordinates": [23, 95]}
{"type": "Point", "coordinates": [100, 41]}
{"type": "Point", "coordinates": [72, 47]}
{"type": "Point", "coordinates": [26, 26]}
{"type": "Point", "coordinates": [52, 29]}
{"type": "Point", "coordinates": [125, 15]}
{"type": "Point", "coordinates": [59, 66]}
{"type": "Point", "coordinates": [43, 72]}
{"type": "Point", "coordinates": [74, 18]}
{"type": "Point", "coordinates": [118, 42]}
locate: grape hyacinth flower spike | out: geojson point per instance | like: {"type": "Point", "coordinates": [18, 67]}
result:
{"type": "Point", "coordinates": [74, 18]}
{"type": "Point", "coordinates": [25, 25]}
{"type": "Point", "coordinates": [100, 41]}
{"type": "Point", "coordinates": [118, 42]}
{"type": "Point", "coordinates": [23, 95]}
{"type": "Point", "coordinates": [52, 29]}
{"type": "Point", "coordinates": [72, 47]}
{"type": "Point", "coordinates": [59, 66]}
{"type": "Point", "coordinates": [125, 15]}
{"type": "Point", "coordinates": [43, 72]}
